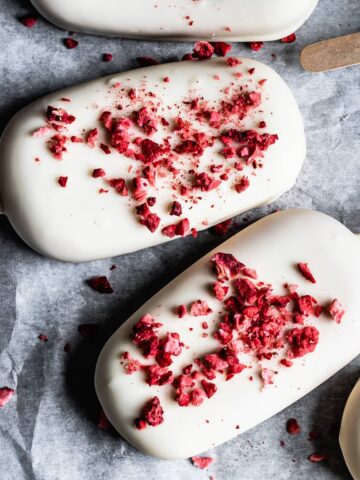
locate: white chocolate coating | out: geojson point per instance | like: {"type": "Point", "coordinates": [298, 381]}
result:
{"type": "Point", "coordinates": [272, 246]}
{"type": "Point", "coordinates": [237, 20]}
{"type": "Point", "coordinates": [350, 432]}
{"type": "Point", "coordinates": [76, 223]}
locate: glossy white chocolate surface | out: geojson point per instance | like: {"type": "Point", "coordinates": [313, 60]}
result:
{"type": "Point", "coordinates": [350, 432]}
{"type": "Point", "coordinates": [77, 223]}
{"type": "Point", "coordinates": [272, 246]}
{"type": "Point", "coordinates": [240, 20]}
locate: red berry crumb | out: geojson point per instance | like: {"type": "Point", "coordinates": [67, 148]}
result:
{"type": "Point", "coordinates": [107, 57]}
{"type": "Point", "coordinates": [70, 43]}
{"type": "Point", "coordinates": [256, 46]}
{"type": "Point", "coordinates": [306, 272]}
{"type": "Point", "coordinates": [62, 181]}
{"type": "Point", "coordinates": [202, 462]}
{"type": "Point", "coordinates": [5, 394]}
{"type": "Point", "coordinates": [28, 20]}
{"type": "Point", "coordinates": [289, 39]}
{"type": "Point", "coordinates": [100, 284]}
{"type": "Point", "coordinates": [317, 457]}
{"type": "Point", "coordinates": [293, 427]}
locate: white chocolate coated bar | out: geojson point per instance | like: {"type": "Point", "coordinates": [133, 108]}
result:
{"type": "Point", "coordinates": [53, 148]}
{"type": "Point", "coordinates": [237, 20]}
{"type": "Point", "coordinates": [350, 432]}
{"type": "Point", "coordinates": [272, 246]}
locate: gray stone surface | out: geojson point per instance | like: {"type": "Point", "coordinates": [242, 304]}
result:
{"type": "Point", "coordinates": [48, 431]}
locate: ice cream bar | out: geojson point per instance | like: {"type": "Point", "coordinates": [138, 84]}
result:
{"type": "Point", "coordinates": [350, 432]}
{"type": "Point", "coordinates": [238, 20]}
{"type": "Point", "coordinates": [136, 159]}
{"type": "Point", "coordinates": [243, 333]}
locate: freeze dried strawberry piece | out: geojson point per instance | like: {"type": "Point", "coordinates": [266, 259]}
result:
{"type": "Point", "coordinates": [153, 412]}
{"type": "Point", "coordinates": [150, 150]}
{"type": "Point", "coordinates": [183, 399]}
{"type": "Point", "coordinates": [189, 147]}
{"type": "Point", "coordinates": [222, 228]}
{"type": "Point", "coordinates": [59, 115]}
{"type": "Point", "coordinates": [200, 308]}
{"type": "Point", "coordinates": [205, 182]}
{"type": "Point", "coordinates": [43, 338]}
{"type": "Point", "coordinates": [181, 311]}
{"type": "Point", "coordinates": [226, 265]}
{"type": "Point", "coordinates": [41, 132]}
{"type": "Point", "coordinates": [203, 50]}
{"type": "Point", "coordinates": [202, 462]}
{"type": "Point", "coordinates": [221, 49]}
{"type": "Point", "coordinates": [132, 366]}
{"type": "Point", "coordinates": [88, 330]}
{"type": "Point", "coordinates": [120, 186]}
{"type": "Point", "coordinates": [158, 376]}
{"type": "Point", "coordinates": [249, 272]}
{"type": "Point", "coordinates": [5, 395]}
{"type": "Point", "coordinates": [140, 188]}
{"type": "Point", "coordinates": [247, 292]}
{"type": "Point", "coordinates": [289, 39]}
{"type": "Point", "coordinates": [183, 227]}
{"type": "Point", "coordinates": [145, 120]}
{"type": "Point", "coordinates": [107, 57]}
{"type": "Point", "coordinates": [220, 290]}
{"type": "Point", "coordinates": [336, 310]}
{"type": "Point", "coordinates": [151, 222]}
{"type": "Point", "coordinates": [213, 361]}
{"type": "Point", "coordinates": [106, 120]}
{"type": "Point", "coordinates": [267, 376]}
{"type": "Point", "coordinates": [197, 396]}
{"type": "Point", "coordinates": [147, 61]}
{"type": "Point", "coordinates": [62, 181]}
{"type": "Point", "coordinates": [183, 381]}
{"type": "Point", "coordinates": [209, 388]}
{"type": "Point", "coordinates": [145, 335]}
{"type": "Point", "coordinates": [302, 341]}
{"type": "Point", "coordinates": [98, 172]}
{"type": "Point", "coordinates": [171, 344]}
{"type": "Point", "coordinates": [57, 146]}
{"type": "Point", "coordinates": [306, 272]}
{"type": "Point", "coordinates": [92, 137]}
{"type": "Point", "coordinates": [75, 139]}
{"type": "Point", "coordinates": [305, 304]}
{"type": "Point", "coordinates": [233, 61]}
{"type": "Point", "coordinates": [317, 457]}
{"type": "Point", "coordinates": [70, 43]}
{"type": "Point", "coordinates": [140, 423]}
{"type": "Point", "coordinates": [256, 46]}
{"type": "Point", "coordinates": [242, 185]}
{"type": "Point", "coordinates": [286, 363]}
{"type": "Point", "coordinates": [169, 231]}
{"type": "Point", "coordinates": [176, 209]}
{"type": "Point", "coordinates": [28, 21]}
{"type": "Point", "coordinates": [100, 284]}
{"type": "Point", "coordinates": [293, 427]}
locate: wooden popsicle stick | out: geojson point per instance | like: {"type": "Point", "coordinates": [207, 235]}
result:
{"type": "Point", "coordinates": [331, 54]}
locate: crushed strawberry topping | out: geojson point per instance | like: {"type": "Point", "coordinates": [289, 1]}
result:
{"type": "Point", "coordinates": [336, 310]}
{"type": "Point", "coordinates": [306, 272]}
{"type": "Point", "coordinates": [100, 284]}
{"type": "Point", "coordinates": [152, 414]}
{"type": "Point", "coordinates": [293, 427]}
{"type": "Point", "coordinates": [202, 462]}
{"type": "Point", "coordinates": [289, 39]}
{"type": "Point", "coordinates": [5, 395]}
{"type": "Point", "coordinates": [188, 150]}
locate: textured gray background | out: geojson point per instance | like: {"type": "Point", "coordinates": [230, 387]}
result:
{"type": "Point", "coordinates": [49, 430]}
